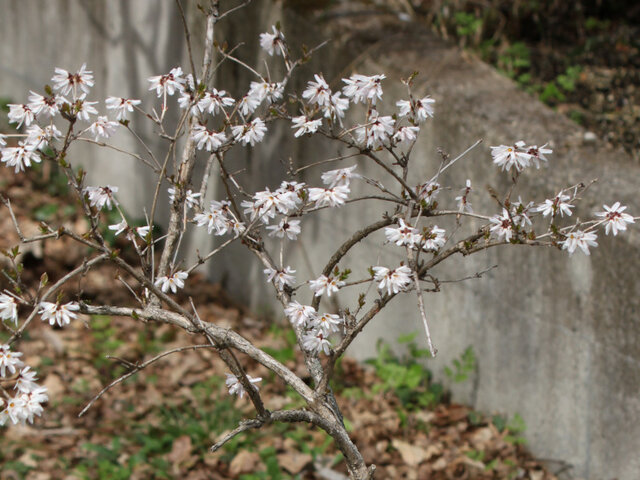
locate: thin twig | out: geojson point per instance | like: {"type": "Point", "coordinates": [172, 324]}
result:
{"type": "Point", "coordinates": [452, 162]}
{"type": "Point", "coordinates": [36, 308]}
{"type": "Point", "coordinates": [188, 39]}
{"type": "Point", "coordinates": [135, 370]}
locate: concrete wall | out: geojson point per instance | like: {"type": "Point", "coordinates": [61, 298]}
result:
{"type": "Point", "coordinates": [557, 337]}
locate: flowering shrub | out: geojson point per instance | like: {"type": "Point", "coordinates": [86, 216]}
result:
{"type": "Point", "coordinates": [213, 122]}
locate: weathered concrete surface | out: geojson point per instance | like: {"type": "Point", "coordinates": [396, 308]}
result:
{"type": "Point", "coordinates": [557, 337]}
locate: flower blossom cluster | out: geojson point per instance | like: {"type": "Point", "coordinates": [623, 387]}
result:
{"type": "Point", "coordinates": [430, 239]}
{"type": "Point", "coordinates": [68, 98]}
{"type": "Point", "coordinates": [219, 219]}
{"type": "Point", "coordinates": [519, 155]}
{"type": "Point", "coordinates": [511, 224]}
{"type": "Point", "coordinates": [316, 327]}
{"type": "Point", "coordinates": [395, 280]}
{"type": "Point", "coordinates": [55, 313]}
{"type": "Point", "coordinates": [172, 282]}
{"type": "Point", "coordinates": [28, 396]}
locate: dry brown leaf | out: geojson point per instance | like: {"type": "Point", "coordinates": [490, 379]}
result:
{"type": "Point", "coordinates": [472, 463]}
{"type": "Point", "coordinates": [294, 462]}
{"type": "Point", "coordinates": [434, 450]}
{"type": "Point", "coordinates": [244, 462]}
{"type": "Point", "coordinates": [439, 464]}
{"type": "Point", "coordinates": [481, 438]}
{"type": "Point", "coordinates": [411, 455]}
{"type": "Point", "coordinates": [54, 385]}
{"type": "Point", "coordinates": [536, 474]}
{"type": "Point", "coordinates": [180, 450]}
{"type": "Point", "coordinates": [424, 416]}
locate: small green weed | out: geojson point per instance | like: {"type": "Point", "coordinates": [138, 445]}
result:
{"type": "Point", "coordinates": [514, 428]}
{"type": "Point", "coordinates": [409, 379]}
{"type": "Point", "coordinates": [467, 24]}
{"type": "Point", "coordinates": [105, 341]}
{"type": "Point", "coordinates": [515, 61]}
{"type": "Point", "coordinates": [462, 367]}
{"type": "Point", "coordinates": [17, 467]}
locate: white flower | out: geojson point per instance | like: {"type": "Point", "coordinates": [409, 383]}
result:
{"type": "Point", "coordinates": [363, 88]}
{"type": "Point", "coordinates": [502, 226]}
{"type": "Point", "coordinates": [300, 315]}
{"type": "Point", "coordinates": [406, 134]}
{"type": "Point", "coordinates": [3, 142]}
{"type": "Point", "coordinates": [289, 196]}
{"type": "Point", "coordinates": [283, 200]}
{"type": "Point", "coordinates": [56, 313]}
{"type": "Point", "coordinates": [14, 411]}
{"type": "Point", "coordinates": [581, 239]}
{"type": "Point", "coordinates": [103, 128]}
{"type": "Point", "coordinates": [463, 200]}
{"type": "Point", "coordinates": [329, 197]}
{"type": "Point", "coordinates": [21, 156]}
{"type": "Point", "coordinates": [215, 101]}
{"type": "Point", "coordinates": [31, 403]}
{"type": "Point", "coordinates": [280, 278]}
{"type": "Point", "coordinates": [237, 226]}
{"type": "Point", "coordinates": [327, 323]}
{"type": "Point", "coordinates": [402, 235]}
{"type": "Point", "coordinates": [118, 228]}
{"type": "Point", "coordinates": [290, 228]}
{"type": "Point", "coordinates": [20, 114]}
{"type": "Point", "coordinates": [507, 156]}
{"type": "Point", "coordinates": [8, 308]}
{"type": "Point", "coordinates": [39, 137]}
{"type": "Point", "coordinates": [520, 213]}
{"type": "Point", "coordinates": [248, 104]}
{"type": "Point", "coordinates": [335, 107]}
{"type": "Point", "coordinates": [538, 153]}
{"type": "Point", "coordinates": [422, 109]}
{"type": "Point", "coordinates": [187, 99]}
{"type": "Point", "coordinates": [235, 387]}
{"type": "Point", "coordinates": [208, 139]}
{"type": "Point", "coordinates": [615, 219]}
{"type": "Point", "coordinates": [143, 231]}
{"type": "Point", "coordinates": [173, 281]}
{"type": "Point", "coordinates": [101, 196]}
{"type": "Point", "coordinates": [261, 90]}
{"type": "Point", "coordinates": [318, 92]}
{"type": "Point", "coordinates": [377, 131]}
{"type": "Point", "coordinates": [339, 177]}
{"type": "Point", "coordinates": [272, 41]}
{"type": "Point", "coordinates": [326, 284]}
{"type": "Point", "coordinates": [9, 360]}
{"type": "Point", "coordinates": [432, 238]}
{"type": "Point", "coordinates": [83, 108]}
{"type": "Point", "coordinates": [26, 381]}
{"type": "Point", "coordinates": [122, 106]}
{"type": "Point", "coordinates": [394, 280]}
{"type": "Point", "coordinates": [45, 107]}
{"type": "Point", "coordinates": [558, 204]}
{"type": "Point", "coordinates": [251, 133]}
{"type": "Point", "coordinates": [305, 125]}
{"type": "Point", "coordinates": [315, 342]}
{"type": "Point", "coordinates": [191, 199]}
{"type": "Point", "coordinates": [65, 82]}
{"type": "Point", "coordinates": [169, 83]}
{"type": "Point", "coordinates": [404, 106]}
